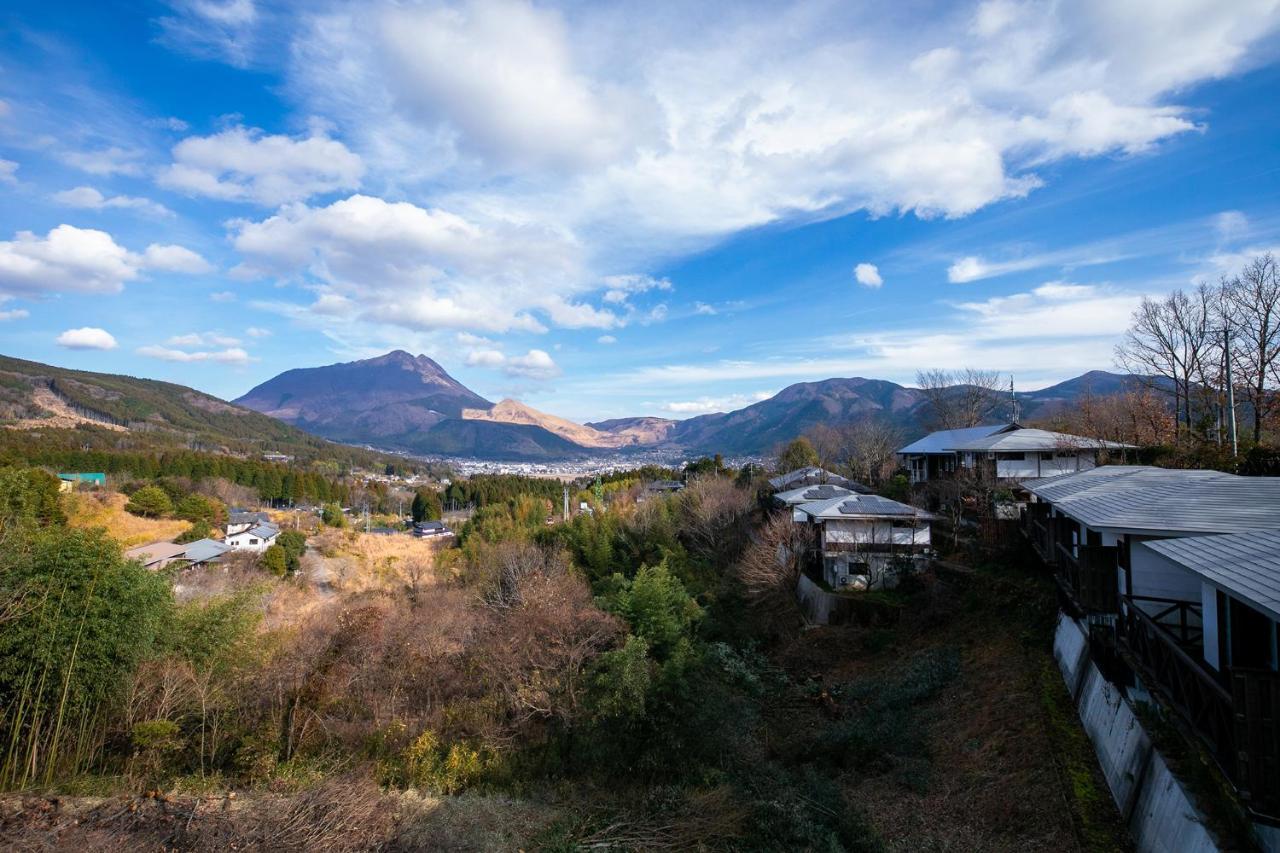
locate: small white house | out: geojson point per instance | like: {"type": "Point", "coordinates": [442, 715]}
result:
{"type": "Point", "coordinates": [240, 520]}
{"type": "Point", "coordinates": [257, 539]}
{"type": "Point", "coordinates": [863, 539]}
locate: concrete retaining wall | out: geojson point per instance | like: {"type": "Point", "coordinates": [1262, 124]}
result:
{"type": "Point", "coordinates": [1160, 814]}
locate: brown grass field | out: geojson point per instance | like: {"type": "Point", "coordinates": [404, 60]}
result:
{"type": "Point", "coordinates": [106, 509]}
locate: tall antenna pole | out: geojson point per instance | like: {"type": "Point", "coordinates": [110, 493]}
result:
{"type": "Point", "coordinates": [1013, 397]}
{"type": "Point", "coordinates": [1231, 391]}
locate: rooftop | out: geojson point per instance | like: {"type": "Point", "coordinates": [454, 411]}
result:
{"type": "Point", "coordinates": [1163, 500]}
{"type": "Point", "coordinates": [808, 494]}
{"type": "Point", "coordinates": [812, 476]}
{"type": "Point", "coordinates": [861, 506]}
{"type": "Point", "coordinates": [1031, 439]}
{"type": "Point", "coordinates": [945, 440]}
{"type": "Point", "coordinates": [203, 550]}
{"type": "Point", "coordinates": [1247, 565]}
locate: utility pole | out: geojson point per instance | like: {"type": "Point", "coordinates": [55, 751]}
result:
{"type": "Point", "coordinates": [1013, 396]}
{"type": "Point", "coordinates": [566, 502]}
{"type": "Point", "coordinates": [1231, 391]}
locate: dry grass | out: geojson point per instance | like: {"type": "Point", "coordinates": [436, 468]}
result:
{"type": "Point", "coordinates": [106, 509]}
{"type": "Point", "coordinates": [353, 562]}
{"type": "Point", "coordinates": [342, 814]}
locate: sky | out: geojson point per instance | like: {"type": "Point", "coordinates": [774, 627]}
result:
{"type": "Point", "coordinates": [610, 209]}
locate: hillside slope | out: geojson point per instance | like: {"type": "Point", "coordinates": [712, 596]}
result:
{"type": "Point", "coordinates": [35, 396]}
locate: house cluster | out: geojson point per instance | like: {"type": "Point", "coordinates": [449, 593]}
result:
{"type": "Point", "coordinates": [860, 540]}
{"type": "Point", "coordinates": [1171, 582]}
{"type": "Point", "coordinates": [246, 530]}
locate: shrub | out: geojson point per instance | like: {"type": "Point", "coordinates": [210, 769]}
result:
{"type": "Point", "coordinates": [196, 508]}
{"type": "Point", "coordinates": [332, 515]}
{"type": "Point", "coordinates": [198, 530]}
{"type": "Point", "coordinates": [150, 502]}
{"type": "Point", "coordinates": [428, 763]}
{"type": "Point", "coordinates": [275, 560]}
{"type": "Point", "coordinates": [294, 545]}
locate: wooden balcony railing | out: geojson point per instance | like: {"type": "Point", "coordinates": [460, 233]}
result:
{"type": "Point", "coordinates": [1255, 696]}
{"type": "Point", "coordinates": [1167, 670]}
{"type": "Point", "coordinates": [1182, 619]}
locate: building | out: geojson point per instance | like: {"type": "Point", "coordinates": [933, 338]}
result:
{"type": "Point", "coordinates": [258, 538]}
{"type": "Point", "coordinates": [863, 541]}
{"type": "Point", "coordinates": [1003, 452]}
{"type": "Point", "coordinates": [435, 530]}
{"type": "Point", "coordinates": [68, 482]}
{"type": "Point", "coordinates": [660, 486]}
{"type": "Point", "coordinates": [813, 476]}
{"type": "Point", "coordinates": [240, 520]}
{"type": "Point", "coordinates": [157, 555]}
{"type": "Point", "coordinates": [1171, 584]}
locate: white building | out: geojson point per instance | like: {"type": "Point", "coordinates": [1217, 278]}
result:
{"type": "Point", "coordinates": [1174, 575]}
{"type": "Point", "coordinates": [863, 540]}
{"type": "Point", "coordinates": [1003, 451]}
{"type": "Point", "coordinates": [257, 539]}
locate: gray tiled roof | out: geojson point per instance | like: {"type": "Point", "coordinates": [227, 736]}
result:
{"type": "Point", "coordinates": [265, 531]}
{"type": "Point", "coordinates": [1247, 565]}
{"type": "Point", "coordinates": [945, 440]}
{"type": "Point", "coordinates": [1163, 501]}
{"type": "Point", "coordinates": [1029, 439]}
{"type": "Point", "coordinates": [807, 494]}
{"type": "Point", "coordinates": [861, 506]}
{"type": "Point", "coordinates": [205, 549]}
{"type": "Point", "coordinates": [809, 476]}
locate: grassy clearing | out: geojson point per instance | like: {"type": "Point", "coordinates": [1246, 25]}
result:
{"type": "Point", "coordinates": [87, 510]}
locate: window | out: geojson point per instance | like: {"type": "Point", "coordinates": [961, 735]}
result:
{"type": "Point", "coordinates": [1047, 455]}
{"type": "Point", "coordinates": [253, 541]}
{"type": "Point", "coordinates": [1014, 457]}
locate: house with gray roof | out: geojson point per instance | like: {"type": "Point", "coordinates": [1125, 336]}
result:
{"type": "Point", "coordinates": [156, 555]}
{"type": "Point", "coordinates": [1007, 452]}
{"type": "Point", "coordinates": [257, 538]}
{"type": "Point", "coordinates": [1174, 577]}
{"type": "Point", "coordinates": [863, 541]}
{"type": "Point", "coordinates": [203, 552]}
{"type": "Point", "coordinates": [812, 475]}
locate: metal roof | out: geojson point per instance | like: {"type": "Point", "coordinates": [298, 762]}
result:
{"type": "Point", "coordinates": [264, 531]}
{"type": "Point", "coordinates": [811, 476]}
{"type": "Point", "coordinates": [155, 552]}
{"type": "Point", "coordinates": [944, 440]}
{"type": "Point", "coordinates": [1031, 439]}
{"type": "Point", "coordinates": [861, 506]}
{"type": "Point", "coordinates": [809, 494]}
{"type": "Point", "coordinates": [203, 550]}
{"type": "Point", "coordinates": [1162, 500]}
{"type": "Point", "coordinates": [1247, 565]}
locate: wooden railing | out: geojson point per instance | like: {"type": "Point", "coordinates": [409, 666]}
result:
{"type": "Point", "coordinates": [1184, 683]}
{"type": "Point", "coordinates": [1182, 619]}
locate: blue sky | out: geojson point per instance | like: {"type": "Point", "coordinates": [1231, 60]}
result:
{"type": "Point", "coordinates": [613, 209]}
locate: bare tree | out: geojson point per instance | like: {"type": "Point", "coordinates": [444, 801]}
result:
{"type": "Point", "coordinates": [960, 399]}
{"type": "Point", "coordinates": [864, 448]}
{"type": "Point", "coordinates": [1251, 310]}
{"type": "Point", "coordinates": [1172, 339]}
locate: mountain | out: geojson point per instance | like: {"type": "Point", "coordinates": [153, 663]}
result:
{"type": "Point", "coordinates": [795, 409]}
{"type": "Point", "coordinates": [584, 435]}
{"type": "Point", "coordinates": [405, 402]}
{"type": "Point", "coordinates": [643, 430]}
{"type": "Point", "coordinates": [103, 407]}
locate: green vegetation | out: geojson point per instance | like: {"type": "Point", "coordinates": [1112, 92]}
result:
{"type": "Point", "coordinates": [799, 453]}
{"type": "Point", "coordinates": [150, 502]}
{"type": "Point", "coordinates": [426, 505]}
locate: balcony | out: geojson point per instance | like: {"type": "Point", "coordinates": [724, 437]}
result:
{"type": "Point", "coordinates": [1236, 715]}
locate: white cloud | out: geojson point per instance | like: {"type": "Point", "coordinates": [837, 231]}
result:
{"type": "Point", "coordinates": [867, 275]}
{"type": "Point", "coordinates": [396, 263]}
{"type": "Point", "coordinates": [233, 355]}
{"type": "Point", "coordinates": [213, 29]}
{"type": "Point", "coordinates": [87, 337]}
{"type": "Point", "coordinates": [222, 296]}
{"type": "Point", "coordinates": [8, 170]}
{"type": "Point", "coordinates": [106, 161]}
{"type": "Point", "coordinates": [645, 137]}
{"type": "Point", "coordinates": [702, 308]}
{"type": "Point", "coordinates": [257, 332]}
{"type": "Point", "coordinates": [241, 164]}
{"type": "Point", "coordinates": [708, 405]}
{"type": "Point", "coordinates": [535, 364]}
{"type": "Point", "coordinates": [606, 339]}
{"type": "Point", "coordinates": [92, 199]}
{"type": "Point", "coordinates": [199, 339]}
{"type": "Point", "coordinates": [82, 260]}
{"type": "Point", "coordinates": [175, 259]}
{"type": "Point", "coordinates": [15, 314]}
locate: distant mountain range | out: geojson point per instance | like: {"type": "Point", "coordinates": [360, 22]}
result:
{"type": "Point", "coordinates": [403, 402]}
